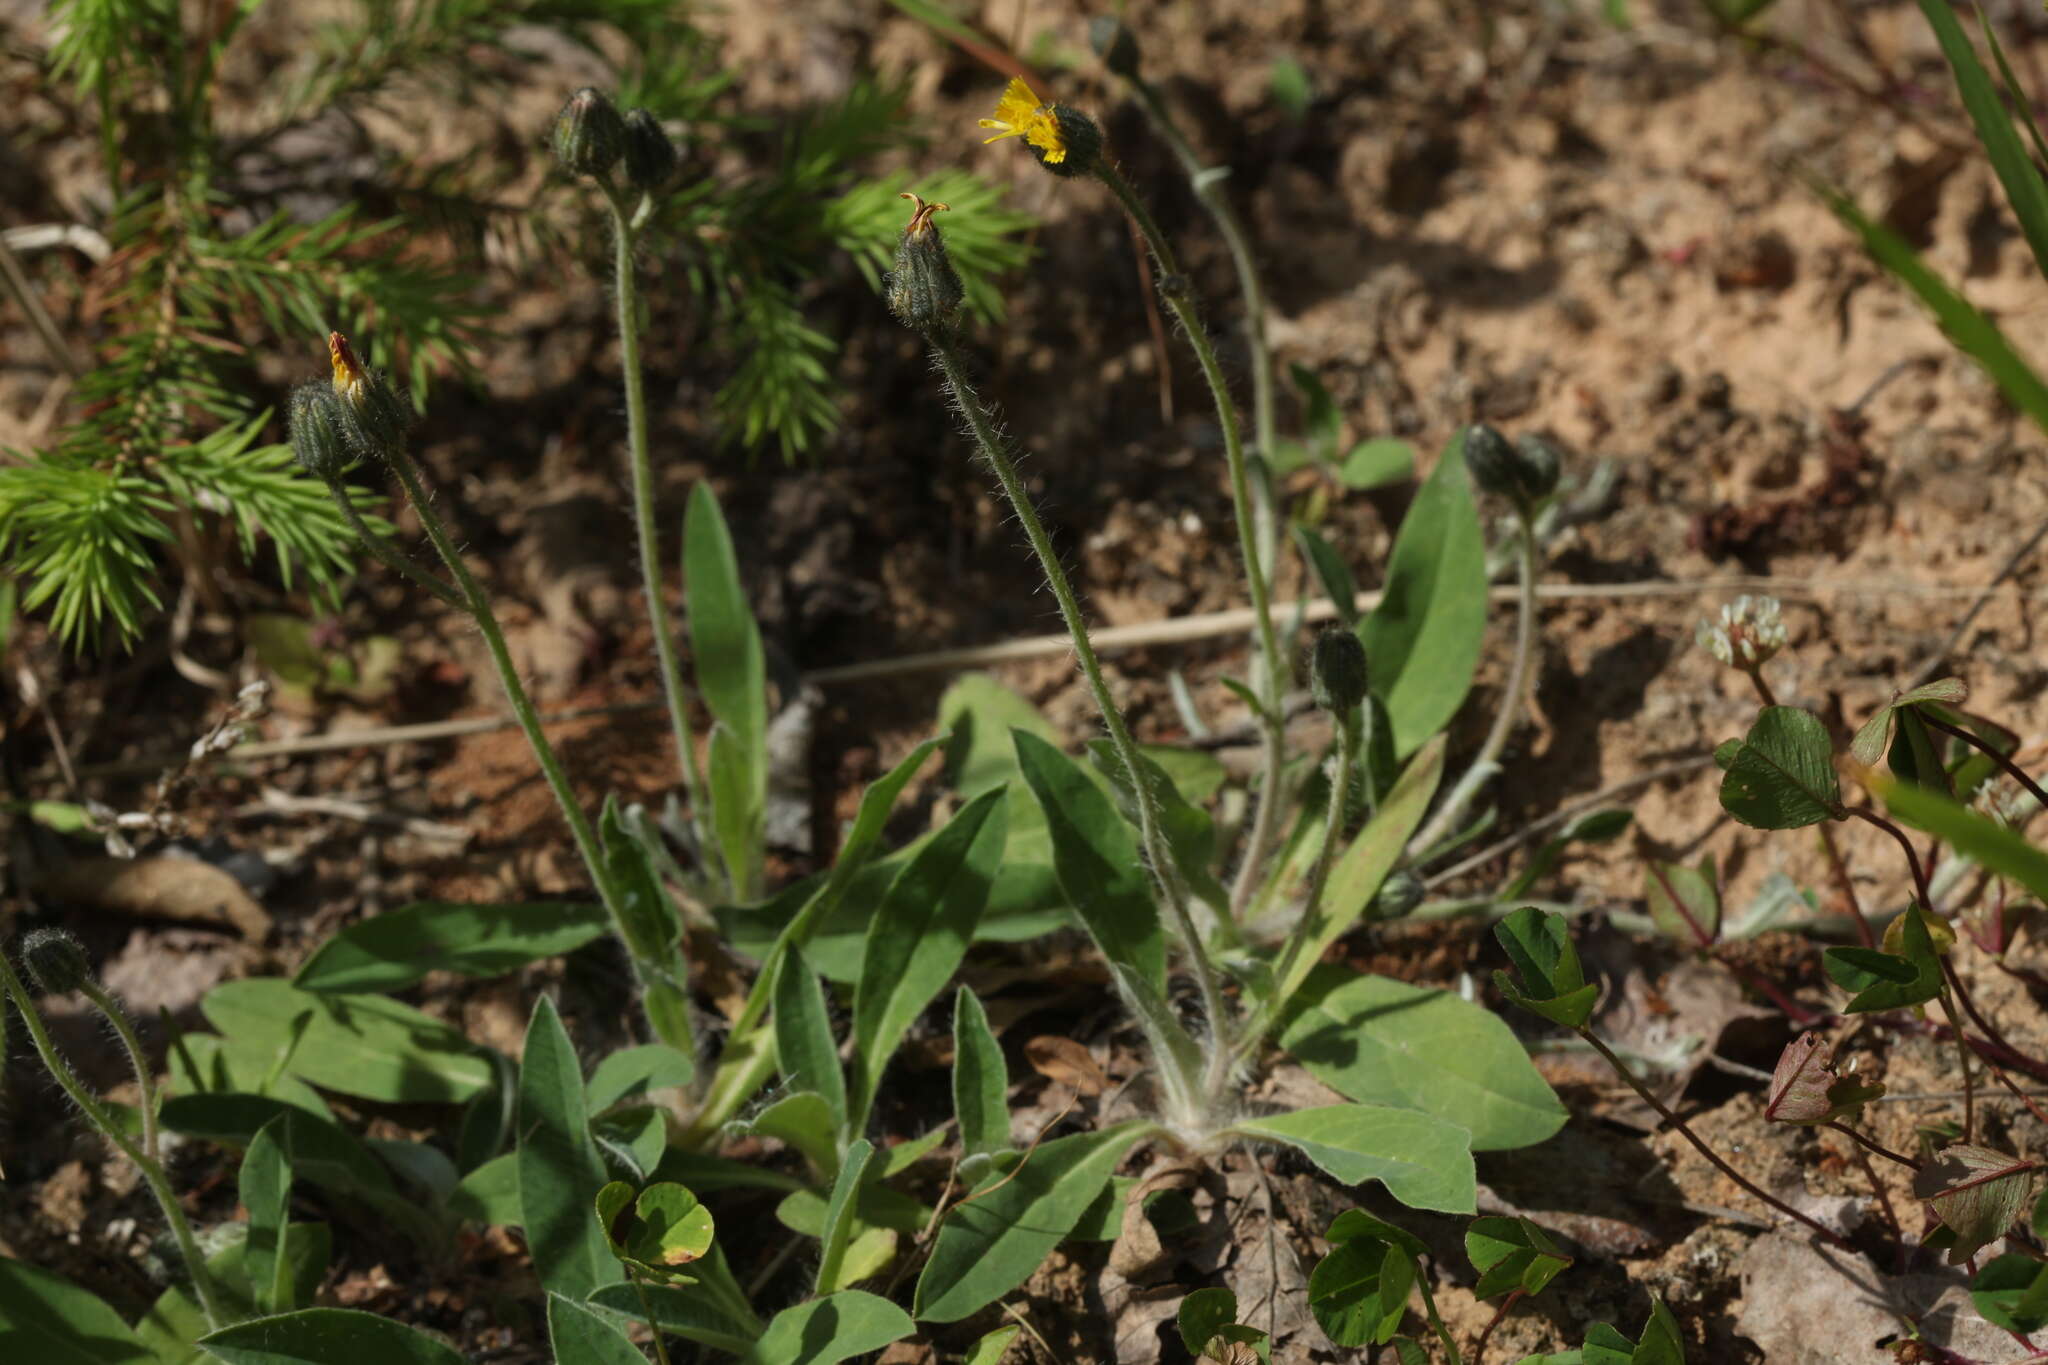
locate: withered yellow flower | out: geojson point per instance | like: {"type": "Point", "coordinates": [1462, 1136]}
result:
{"type": "Point", "coordinates": [1019, 113]}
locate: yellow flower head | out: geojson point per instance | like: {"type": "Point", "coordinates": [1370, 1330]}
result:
{"type": "Point", "coordinates": [348, 371]}
{"type": "Point", "coordinates": [1020, 114]}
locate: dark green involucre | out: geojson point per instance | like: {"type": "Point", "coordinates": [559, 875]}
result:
{"type": "Point", "coordinates": [924, 290]}
{"type": "Point", "coordinates": [1083, 141]}
{"type": "Point", "coordinates": [318, 430]}
{"type": "Point", "coordinates": [1114, 42]}
{"type": "Point", "coordinates": [374, 416]}
{"type": "Point", "coordinates": [56, 961]}
{"type": "Point", "coordinates": [1398, 894]}
{"type": "Point", "coordinates": [650, 156]}
{"type": "Point", "coordinates": [1527, 474]}
{"type": "Point", "coordinates": [589, 134]}
{"type": "Point", "coordinates": [1337, 671]}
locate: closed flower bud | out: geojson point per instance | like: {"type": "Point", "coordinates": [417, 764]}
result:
{"type": "Point", "coordinates": [923, 290]}
{"type": "Point", "coordinates": [1114, 42]}
{"type": "Point", "coordinates": [1398, 894]}
{"type": "Point", "coordinates": [373, 416]}
{"type": "Point", "coordinates": [589, 134]}
{"type": "Point", "coordinates": [55, 960]}
{"type": "Point", "coordinates": [1540, 465]}
{"type": "Point", "coordinates": [1337, 671]}
{"type": "Point", "coordinates": [1526, 475]}
{"type": "Point", "coordinates": [650, 156]}
{"type": "Point", "coordinates": [318, 435]}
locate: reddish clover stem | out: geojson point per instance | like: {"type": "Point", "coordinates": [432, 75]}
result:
{"type": "Point", "coordinates": [1887, 1153]}
{"type": "Point", "coordinates": [1905, 844]}
{"type": "Point", "coordinates": [1642, 1092]}
{"type": "Point", "coordinates": [2012, 769]}
{"type": "Point", "coordinates": [1479, 1347]}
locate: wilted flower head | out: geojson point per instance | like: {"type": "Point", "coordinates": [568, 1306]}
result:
{"type": "Point", "coordinates": [650, 156]}
{"type": "Point", "coordinates": [924, 290]}
{"type": "Point", "coordinates": [1749, 632]}
{"type": "Point", "coordinates": [1065, 141]}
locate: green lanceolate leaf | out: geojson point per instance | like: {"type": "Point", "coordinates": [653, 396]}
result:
{"type": "Point", "coordinates": [981, 1080]}
{"type": "Point", "coordinates": [560, 1171]}
{"type": "Point", "coordinates": [831, 1329]}
{"type": "Point", "coordinates": [1783, 776]}
{"type": "Point", "coordinates": [46, 1318]}
{"type": "Point", "coordinates": [840, 1218]}
{"type": "Point", "coordinates": [1382, 1041]}
{"type": "Point", "coordinates": [653, 928]}
{"type": "Point", "coordinates": [265, 1186]}
{"type": "Point", "coordinates": [174, 1323]}
{"type": "Point", "coordinates": [725, 644]}
{"type": "Point", "coordinates": [1188, 829]}
{"type": "Point", "coordinates": [2024, 187]}
{"type": "Point", "coordinates": [804, 1121]}
{"type": "Point", "coordinates": [735, 809]}
{"type": "Point", "coordinates": [1423, 1161]}
{"type": "Point", "coordinates": [1331, 572]}
{"type": "Point", "coordinates": [391, 951]}
{"type": "Point", "coordinates": [362, 1045]}
{"type": "Point", "coordinates": [631, 1072]}
{"type": "Point", "coordinates": [1378, 462]}
{"type": "Point", "coordinates": [326, 1336]}
{"type": "Point", "coordinates": [1972, 332]}
{"type": "Point", "coordinates": [1423, 639]}
{"type": "Point", "coordinates": [689, 1313]}
{"type": "Point", "coordinates": [1552, 984]}
{"type": "Point", "coordinates": [993, 1240]}
{"type": "Point", "coordinates": [806, 1052]}
{"type": "Point", "coordinates": [919, 935]}
{"type": "Point", "coordinates": [586, 1336]}
{"type": "Point", "coordinates": [1990, 843]}
{"type": "Point", "coordinates": [1095, 854]}
{"type": "Point", "coordinates": [1362, 867]}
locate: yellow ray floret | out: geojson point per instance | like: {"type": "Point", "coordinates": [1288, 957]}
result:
{"type": "Point", "coordinates": [1020, 114]}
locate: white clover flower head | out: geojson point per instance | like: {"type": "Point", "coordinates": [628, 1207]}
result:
{"type": "Point", "coordinates": [1749, 632]}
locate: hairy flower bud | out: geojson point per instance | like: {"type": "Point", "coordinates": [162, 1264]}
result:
{"type": "Point", "coordinates": [1083, 141]}
{"type": "Point", "coordinates": [55, 960]}
{"type": "Point", "coordinates": [1527, 475]}
{"type": "Point", "coordinates": [373, 416]}
{"type": "Point", "coordinates": [1541, 465]}
{"type": "Point", "coordinates": [1337, 670]}
{"type": "Point", "coordinates": [1114, 42]}
{"type": "Point", "coordinates": [589, 134]}
{"type": "Point", "coordinates": [1398, 894]}
{"type": "Point", "coordinates": [318, 430]}
{"type": "Point", "coordinates": [923, 290]}
{"type": "Point", "coordinates": [650, 156]}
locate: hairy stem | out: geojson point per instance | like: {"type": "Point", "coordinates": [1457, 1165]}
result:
{"type": "Point", "coordinates": [386, 552]}
{"type": "Point", "coordinates": [478, 604]}
{"type": "Point", "coordinates": [1164, 870]}
{"type": "Point", "coordinates": [152, 1171]}
{"type": "Point", "coordinates": [1208, 189]}
{"type": "Point", "coordinates": [1679, 1124]}
{"type": "Point", "coordinates": [625, 290]}
{"type": "Point", "coordinates": [1173, 287]}
{"type": "Point", "coordinates": [145, 1074]}
{"type": "Point", "coordinates": [1448, 815]}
